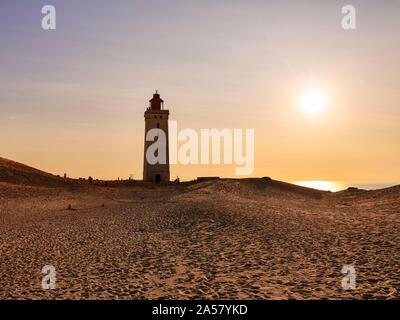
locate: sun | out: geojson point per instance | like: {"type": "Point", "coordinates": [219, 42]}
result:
{"type": "Point", "coordinates": [313, 101]}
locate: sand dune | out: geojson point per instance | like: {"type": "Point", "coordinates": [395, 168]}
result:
{"type": "Point", "coordinates": [17, 173]}
{"type": "Point", "coordinates": [221, 239]}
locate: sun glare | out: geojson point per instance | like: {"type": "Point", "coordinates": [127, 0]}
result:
{"type": "Point", "coordinates": [320, 185]}
{"type": "Point", "coordinates": [313, 101]}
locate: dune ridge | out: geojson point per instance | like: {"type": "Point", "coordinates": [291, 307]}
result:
{"type": "Point", "coordinates": [18, 173]}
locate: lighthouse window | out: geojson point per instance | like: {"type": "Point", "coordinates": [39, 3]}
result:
{"type": "Point", "coordinates": [160, 117]}
{"type": "Point", "coordinates": [155, 117]}
{"type": "Point", "coordinates": [158, 125]}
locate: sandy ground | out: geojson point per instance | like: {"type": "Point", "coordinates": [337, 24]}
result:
{"type": "Point", "coordinates": [211, 240]}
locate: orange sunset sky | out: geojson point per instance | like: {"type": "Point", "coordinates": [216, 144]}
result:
{"type": "Point", "coordinates": [72, 99]}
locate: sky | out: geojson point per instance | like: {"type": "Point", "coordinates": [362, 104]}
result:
{"type": "Point", "coordinates": [72, 99]}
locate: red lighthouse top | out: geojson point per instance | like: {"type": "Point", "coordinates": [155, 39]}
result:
{"type": "Point", "coordinates": [156, 103]}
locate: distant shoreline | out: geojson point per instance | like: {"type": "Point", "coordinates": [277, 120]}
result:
{"type": "Point", "coordinates": [335, 186]}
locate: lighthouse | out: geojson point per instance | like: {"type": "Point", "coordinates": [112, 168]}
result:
{"type": "Point", "coordinates": [156, 117]}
